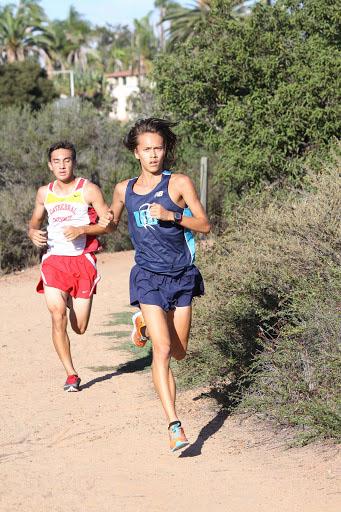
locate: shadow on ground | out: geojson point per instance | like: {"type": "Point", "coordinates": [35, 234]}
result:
{"type": "Point", "coordinates": [137, 365]}
{"type": "Point", "coordinates": [227, 398]}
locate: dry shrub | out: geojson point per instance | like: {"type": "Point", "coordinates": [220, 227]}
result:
{"type": "Point", "coordinates": [16, 249]}
{"type": "Point", "coordinates": [270, 319]}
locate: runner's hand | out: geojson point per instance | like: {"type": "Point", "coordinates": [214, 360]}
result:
{"type": "Point", "coordinates": [72, 232]}
{"type": "Point", "coordinates": [38, 237]}
{"type": "Point", "coordinates": [159, 212]}
{"type": "Point", "coordinates": [105, 220]}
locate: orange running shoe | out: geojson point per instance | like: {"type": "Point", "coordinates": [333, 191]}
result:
{"type": "Point", "coordinates": [138, 336]}
{"type": "Point", "coordinates": [177, 438]}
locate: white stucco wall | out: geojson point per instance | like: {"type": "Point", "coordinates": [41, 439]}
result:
{"type": "Point", "coordinates": [120, 89]}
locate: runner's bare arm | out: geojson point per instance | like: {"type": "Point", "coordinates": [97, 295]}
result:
{"type": "Point", "coordinates": [93, 196]}
{"type": "Point", "coordinates": [184, 190]}
{"type": "Point", "coordinates": [118, 200]}
{"type": "Point", "coordinates": [38, 236]}
{"type": "Point", "coordinates": [117, 205]}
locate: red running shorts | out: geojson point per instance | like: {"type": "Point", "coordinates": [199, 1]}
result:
{"type": "Point", "coordinates": [75, 275]}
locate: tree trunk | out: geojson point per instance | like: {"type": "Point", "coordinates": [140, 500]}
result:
{"type": "Point", "coordinates": [20, 55]}
{"type": "Point", "coordinates": [49, 65]}
{"type": "Point", "coordinates": [162, 31]}
{"type": "Point", "coordinates": [11, 55]}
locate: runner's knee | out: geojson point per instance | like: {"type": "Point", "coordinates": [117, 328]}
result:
{"type": "Point", "coordinates": [161, 352]}
{"type": "Point", "coordinates": [58, 316]}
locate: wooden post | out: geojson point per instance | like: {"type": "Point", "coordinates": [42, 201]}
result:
{"type": "Point", "coordinates": [203, 181]}
{"type": "Point", "coordinates": [72, 84]}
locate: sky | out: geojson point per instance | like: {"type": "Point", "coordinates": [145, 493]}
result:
{"type": "Point", "coordinates": [100, 12]}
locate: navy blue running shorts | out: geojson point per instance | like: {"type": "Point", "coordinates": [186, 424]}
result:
{"type": "Point", "coordinates": [165, 291]}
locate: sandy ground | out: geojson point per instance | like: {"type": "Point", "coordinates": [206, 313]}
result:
{"type": "Point", "coordinates": [105, 449]}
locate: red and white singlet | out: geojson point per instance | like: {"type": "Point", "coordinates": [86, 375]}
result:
{"type": "Point", "coordinates": [69, 210]}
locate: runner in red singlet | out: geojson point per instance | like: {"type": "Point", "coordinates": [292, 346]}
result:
{"type": "Point", "coordinates": [68, 271]}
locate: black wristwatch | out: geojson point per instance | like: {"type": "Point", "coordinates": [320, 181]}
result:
{"type": "Point", "coordinates": [177, 217]}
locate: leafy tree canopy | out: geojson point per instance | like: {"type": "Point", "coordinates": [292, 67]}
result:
{"type": "Point", "coordinates": [262, 92]}
{"type": "Point", "coordinates": [25, 83]}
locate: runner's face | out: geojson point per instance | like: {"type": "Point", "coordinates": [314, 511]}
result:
{"type": "Point", "coordinates": [62, 165]}
{"type": "Point", "coordinates": [150, 150]}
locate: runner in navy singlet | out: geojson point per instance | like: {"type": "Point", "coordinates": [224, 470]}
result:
{"type": "Point", "coordinates": [161, 247]}
{"type": "Point", "coordinates": [163, 208]}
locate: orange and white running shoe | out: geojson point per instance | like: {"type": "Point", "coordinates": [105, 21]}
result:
{"type": "Point", "coordinates": [138, 336]}
{"type": "Point", "coordinates": [177, 438]}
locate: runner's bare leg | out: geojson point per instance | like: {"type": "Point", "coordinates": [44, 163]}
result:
{"type": "Point", "coordinates": [169, 335]}
{"type": "Point", "coordinates": [56, 303]}
{"type": "Point", "coordinates": [80, 310]}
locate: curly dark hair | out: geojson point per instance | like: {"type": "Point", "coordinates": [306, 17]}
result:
{"type": "Point", "coordinates": [62, 144]}
{"type": "Point", "coordinates": [153, 125]}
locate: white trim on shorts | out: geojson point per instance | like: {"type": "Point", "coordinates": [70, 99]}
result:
{"type": "Point", "coordinates": [92, 261]}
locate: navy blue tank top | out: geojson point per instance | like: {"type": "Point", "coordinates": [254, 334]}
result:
{"type": "Point", "coordinates": [161, 247]}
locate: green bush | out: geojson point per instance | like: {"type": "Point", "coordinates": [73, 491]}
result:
{"type": "Point", "coordinates": [262, 92]}
{"type": "Point", "coordinates": [270, 319]}
{"type": "Point", "coordinates": [296, 379]}
{"type": "Point", "coordinates": [25, 138]}
{"type": "Point", "coordinates": [14, 244]}
{"type": "Point", "coordinates": [25, 83]}
{"type": "Point", "coordinates": [16, 250]}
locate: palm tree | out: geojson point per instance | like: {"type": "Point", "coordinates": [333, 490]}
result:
{"type": "Point", "coordinates": [23, 31]}
{"type": "Point", "coordinates": [57, 55]}
{"type": "Point", "coordinates": [76, 34]}
{"type": "Point", "coordinates": [144, 43]}
{"type": "Point", "coordinates": [114, 47]}
{"type": "Point", "coordinates": [183, 20]}
{"type": "Point", "coordinates": [162, 6]}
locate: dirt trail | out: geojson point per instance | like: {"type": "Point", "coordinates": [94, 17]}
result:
{"type": "Point", "coordinates": [105, 449]}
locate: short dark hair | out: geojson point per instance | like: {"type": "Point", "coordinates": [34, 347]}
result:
{"type": "Point", "coordinates": [62, 144]}
{"type": "Point", "coordinates": [153, 125]}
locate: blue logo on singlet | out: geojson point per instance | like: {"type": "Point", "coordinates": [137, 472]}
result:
{"type": "Point", "coordinates": [143, 218]}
